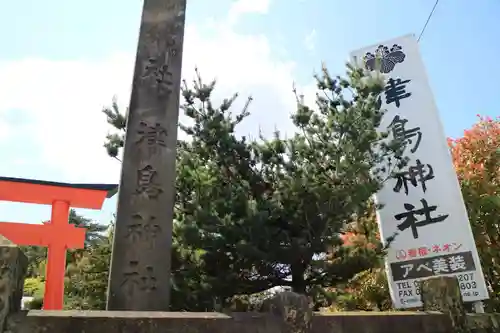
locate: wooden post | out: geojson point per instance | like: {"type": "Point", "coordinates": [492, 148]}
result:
{"type": "Point", "coordinates": [442, 293]}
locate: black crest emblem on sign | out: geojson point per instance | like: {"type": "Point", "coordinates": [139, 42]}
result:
{"type": "Point", "coordinates": [384, 58]}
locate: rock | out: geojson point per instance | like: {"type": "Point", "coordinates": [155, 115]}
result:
{"type": "Point", "coordinates": [13, 265]}
{"type": "Point", "coordinates": [294, 310]}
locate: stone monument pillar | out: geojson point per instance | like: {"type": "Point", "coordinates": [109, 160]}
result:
{"type": "Point", "coordinates": [140, 265]}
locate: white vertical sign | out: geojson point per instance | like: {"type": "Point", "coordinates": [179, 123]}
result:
{"type": "Point", "coordinates": [423, 204]}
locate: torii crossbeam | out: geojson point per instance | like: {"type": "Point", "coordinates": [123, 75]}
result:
{"type": "Point", "coordinates": [57, 234]}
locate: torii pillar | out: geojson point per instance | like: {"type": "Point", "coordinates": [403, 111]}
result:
{"type": "Point", "coordinates": [57, 234]}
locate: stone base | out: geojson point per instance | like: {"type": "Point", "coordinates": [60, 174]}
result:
{"type": "Point", "coordinates": [284, 313]}
{"type": "Point", "coordinates": [39, 321]}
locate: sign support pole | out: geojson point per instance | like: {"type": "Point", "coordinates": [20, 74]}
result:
{"type": "Point", "coordinates": [478, 307]}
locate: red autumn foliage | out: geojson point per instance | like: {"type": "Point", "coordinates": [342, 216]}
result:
{"type": "Point", "coordinates": [476, 157]}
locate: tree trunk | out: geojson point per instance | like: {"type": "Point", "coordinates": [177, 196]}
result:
{"type": "Point", "coordinates": [298, 280]}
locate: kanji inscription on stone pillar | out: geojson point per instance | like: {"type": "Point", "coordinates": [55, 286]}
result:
{"type": "Point", "coordinates": [140, 265]}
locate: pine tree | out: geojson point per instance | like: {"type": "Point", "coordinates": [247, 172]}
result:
{"type": "Point", "coordinates": [270, 212]}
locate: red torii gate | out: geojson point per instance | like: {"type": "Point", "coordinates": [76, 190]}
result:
{"type": "Point", "coordinates": [57, 234]}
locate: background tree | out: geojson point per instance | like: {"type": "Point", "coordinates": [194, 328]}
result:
{"type": "Point", "coordinates": [476, 157]}
{"type": "Point", "coordinates": [270, 212]}
{"type": "Point", "coordinates": [367, 290]}
{"type": "Point", "coordinates": [87, 275]}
